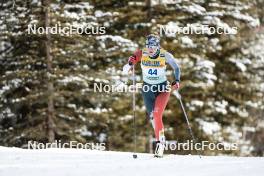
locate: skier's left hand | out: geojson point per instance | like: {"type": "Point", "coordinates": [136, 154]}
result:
{"type": "Point", "coordinates": [175, 85]}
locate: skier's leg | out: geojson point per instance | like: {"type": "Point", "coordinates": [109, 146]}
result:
{"type": "Point", "coordinates": [149, 101]}
{"type": "Point", "coordinates": [160, 105]}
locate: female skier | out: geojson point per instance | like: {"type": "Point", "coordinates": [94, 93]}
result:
{"type": "Point", "coordinates": [155, 88]}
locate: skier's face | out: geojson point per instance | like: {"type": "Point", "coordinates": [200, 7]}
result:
{"type": "Point", "coordinates": [152, 50]}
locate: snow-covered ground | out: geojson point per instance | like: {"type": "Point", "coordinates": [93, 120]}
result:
{"type": "Point", "coordinates": [64, 162]}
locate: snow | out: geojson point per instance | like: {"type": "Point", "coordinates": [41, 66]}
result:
{"type": "Point", "coordinates": [7, 113]}
{"type": "Point", "coordinates": [170, 1]}
{"type": "Point", "coordinates": [235, 12]}
{"type": "Point", "coordinates": [99, 14]}
{"type": "Point", "coordinates": [126, 118]}
{"type": "Point", "coordinates": [71, 15]}
{"type": "Point", "coordinates": [74, 79]}
{"type": "Point", "coordinates": [65, 117]}
{"type": "Point", "coordinates": [262, 87]}
{"type": "Point", "coordinates": [209, 127]}
{"type": "Point", "coordinates": [72, 106]}
{"type": "Point", "coordinates": [80, 14]}
{"type": "Point", "coordinates": [230, 7]}
{"type": "Point", "coordinates": [241, 66]}
{"type": "Point", "coordinates": [206, 64]}
{"type": "Point", "coordinates": [16, 82]}
{"type": "Point", "coordinates": [137, 25]}
{"type": "Point", "coordinates": [235, 135]}
{"type": "Point", "coordinates": [216, 13]}
{"type": "Point", "coordinates": [62, 162]}
{"type": "Point", "coordinates": [220, 106]}
{"type": "Point", "coordinates": [241, 112]}
{"type": "Point", "coordinates": [188, 42]}
{"type": "Point", "coordinates": [126, 44]}
{"type": "Point", "coordinates": [4, 88]}
{"type": "Point", "coordinates": [157, 2]}
{"type": "Point", "coordinates": [84, 131]}
{"type": "Point", "coordinates": [214, 45]}
{"type": "Point", "coordinates": [219, 23]}
{"type": "Point", "coordinates": [102, 137]}
{"type": "Point", "coordinates": [136, 3]}
{"type": "Point", "coordinates": [253, 22]}
{"type": "Point", "coordinates": [80, 5]}
{"type": "Point", "coordinates": [205, 72]}
{"type": "Point", "coordinates": [195, 103]}
{"type": "Point", "coordinates": [253, 104]}
{"type": "Point", "coordinates": [98, 110]}
{"type": "Point", "coordinates": [193, 9]}
{"type": "Point", "coordinates": [239, 63]}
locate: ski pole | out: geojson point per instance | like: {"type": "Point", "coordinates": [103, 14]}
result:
{"type": "Point", "coordinates": [178, 96]}
{"type": "Point", "coordinates": [134, 112]}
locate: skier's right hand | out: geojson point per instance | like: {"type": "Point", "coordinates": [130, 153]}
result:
{"type": "Point", "coordinates": [132, 60]}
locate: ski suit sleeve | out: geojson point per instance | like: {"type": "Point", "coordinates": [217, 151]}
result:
{"type": "Point", "coordinates": [135, 58]}
{"type": "Point", "coordinates": [172, 62]}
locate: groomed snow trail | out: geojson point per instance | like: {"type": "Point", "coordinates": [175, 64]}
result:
{"type": "Point", "coordinates": [73, 162]}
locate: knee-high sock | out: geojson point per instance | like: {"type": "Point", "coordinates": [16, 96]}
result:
{"type": "Point", "coordinates": [160, 105]}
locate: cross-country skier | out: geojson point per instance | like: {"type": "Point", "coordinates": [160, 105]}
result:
{"type": "Point", "coordinates": [155, 88]}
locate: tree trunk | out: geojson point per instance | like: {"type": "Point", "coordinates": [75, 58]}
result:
{"type": "Point", "coordinates": [50, 112]}
{"type": "Point", "coordinates": [149, 10]}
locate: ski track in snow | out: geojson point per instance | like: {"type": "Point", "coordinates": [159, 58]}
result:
{"type": "Point", "coordinates": [69, 162]}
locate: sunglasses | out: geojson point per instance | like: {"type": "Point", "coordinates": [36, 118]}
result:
{"type": "Point", "coordinates": [152, 46]}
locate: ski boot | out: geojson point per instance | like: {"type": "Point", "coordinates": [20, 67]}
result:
{"type": "Point", "coordinates": [160, 145]}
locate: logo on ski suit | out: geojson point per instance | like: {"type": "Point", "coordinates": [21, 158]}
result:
{"type": "Point", "coordinates": [153, 70]}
